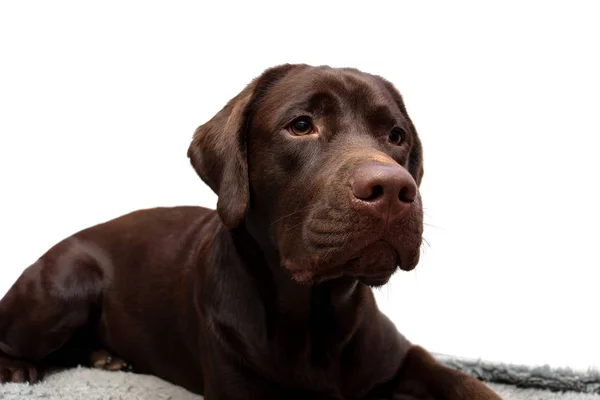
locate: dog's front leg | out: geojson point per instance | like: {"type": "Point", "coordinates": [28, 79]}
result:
{"type": "Point", "coordinates": [422, 377]}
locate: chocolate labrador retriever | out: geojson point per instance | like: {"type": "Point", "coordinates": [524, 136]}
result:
{"type": "Point", "coordinates": [317, 173]}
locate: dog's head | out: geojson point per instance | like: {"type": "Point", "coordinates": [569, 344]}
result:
{"type": "Point", "coordinates": [323, 165]}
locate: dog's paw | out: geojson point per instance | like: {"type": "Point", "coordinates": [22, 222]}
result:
{"type": "Point", "coordinates": [18, 371]}
{"type": "Point", "coordinates": [102, 359]}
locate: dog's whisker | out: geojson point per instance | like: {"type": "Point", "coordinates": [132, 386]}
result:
{"type": "Point", "coordinates": [292, 214]}
{"type": "Point", "coordinates": [294, 226]}
{"type": "Point", "coordinates": [426, 242]}
{"type": "Point", "coordinates": [432, 226]}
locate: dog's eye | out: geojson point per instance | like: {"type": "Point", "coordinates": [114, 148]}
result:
{"type": "Point", "coordinates": [301, 126]}
{"type": "Point", "coordinates": [397, 136]}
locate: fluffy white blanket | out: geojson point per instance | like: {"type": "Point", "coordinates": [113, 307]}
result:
{"type": "Point", "coordinates": [88, 384]}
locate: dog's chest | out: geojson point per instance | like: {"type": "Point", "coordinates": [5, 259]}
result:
{"type": "Point", "coordinates": [305, 362]}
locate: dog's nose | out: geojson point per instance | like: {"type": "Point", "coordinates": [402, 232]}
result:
{"type": "Point", "coordinates": [383, 188]}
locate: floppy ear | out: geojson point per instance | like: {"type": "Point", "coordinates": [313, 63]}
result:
{"type": "Point", "coordinates": [415, 160]}
{"type": "Point", "coordinates": [218, 149]}
{"type": "Point", "coordinates": [218, 155]}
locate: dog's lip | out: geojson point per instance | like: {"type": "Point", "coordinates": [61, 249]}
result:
{"type": "Point", "coordinates": [405, 267]}
{"type": "Point", "coordinates": [300, 273]}
{"type": "Point", "coordinates": [378, 274]}
{"type": "Point", "coordinates": [358, 254]}
{"type": "Point", "coordinates": [374, 280]}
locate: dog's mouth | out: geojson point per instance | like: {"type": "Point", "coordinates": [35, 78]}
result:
{"type": "Point", "coordinates": [372, 265]}
{"type": "Point", "coordinates": [337, 244]}
{"type": "Point", "coordinates": [375, 264]}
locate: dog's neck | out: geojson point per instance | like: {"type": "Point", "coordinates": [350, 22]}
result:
{"type": "Point", "coordinates": [268, 316]}
{"type": "Point", "coordinates": [316, 306]}
{"type": "Point", "coordinates": [292, 299]}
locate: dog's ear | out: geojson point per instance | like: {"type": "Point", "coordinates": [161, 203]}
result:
{"type": "Point", "coordinates": [218, 155]}
{"type": "Point", "coordinates": [218, 149]}
{"type": "Point", "coordinates": [415, 160]}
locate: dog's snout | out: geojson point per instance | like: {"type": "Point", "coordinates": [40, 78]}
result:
{"type": "Point", "coordinates": [384, 188]}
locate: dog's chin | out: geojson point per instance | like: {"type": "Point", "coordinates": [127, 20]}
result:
{"type": "Point", "coordinates": [374, 282]}
{"type": "Point", "coordinates": [373, 265]}
{"type": "Point", "coordinates": [309, 277]}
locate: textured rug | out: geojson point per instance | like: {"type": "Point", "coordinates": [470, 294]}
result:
{"type": "Point", "coordinates": [540, 377]}
{"type": "Point", "coordinates": [84, 383]}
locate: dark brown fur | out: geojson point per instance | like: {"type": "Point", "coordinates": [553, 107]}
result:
{"type": "Point", "coordinates": [269, 296]}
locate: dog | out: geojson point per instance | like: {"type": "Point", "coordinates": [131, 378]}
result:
{"type": "Point", "coordinates": [317, 172]}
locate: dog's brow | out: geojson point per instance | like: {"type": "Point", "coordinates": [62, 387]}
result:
{"type": "Point", "coordinates": [381, 115]}
{"type": "Point", "coordinates": [315, 103]}
{"type": "Point", "coordinates": [322, 102]}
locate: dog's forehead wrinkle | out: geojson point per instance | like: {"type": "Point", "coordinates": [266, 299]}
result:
{"type": "Point", "coordinates": [341, 99]}
{"type": "Point", "coordinates": [335, 84]}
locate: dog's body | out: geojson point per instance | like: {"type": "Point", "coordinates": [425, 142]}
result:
{"type": "Point", "coordinates": [317, 172]}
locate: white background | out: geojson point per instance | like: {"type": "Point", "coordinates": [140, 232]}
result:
{"type": "Point", "coordinates": [98, 104]}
